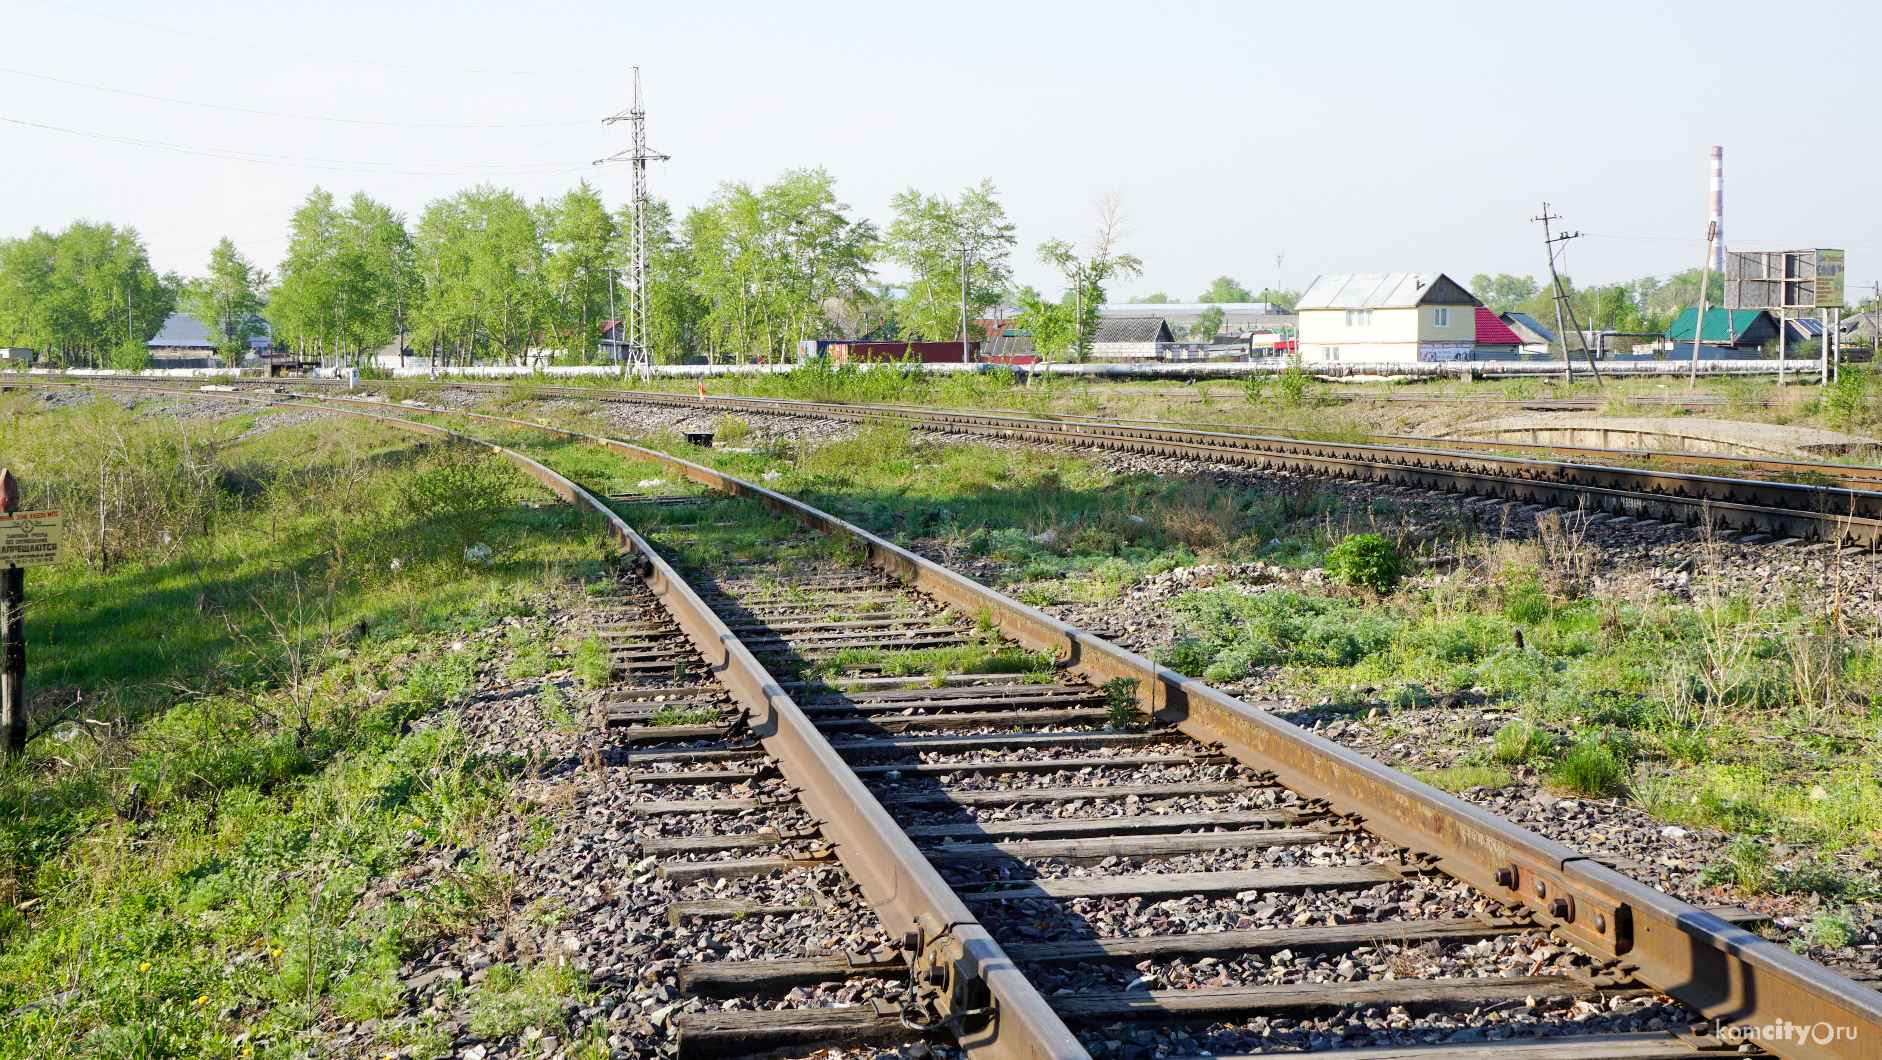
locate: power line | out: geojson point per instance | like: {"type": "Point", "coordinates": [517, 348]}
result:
{"type": "Point", "coordinates": [279, 114]}
{"type": "Point", "coordinates": [295, 161]}
{"type": "Point", "coordinates": [323, 58]}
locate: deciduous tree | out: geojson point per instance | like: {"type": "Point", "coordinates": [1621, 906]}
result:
{"type": "Point", "coordinates": [580, 240]}
{"type": "Point", "coordinates": [1089, 274]}
{"type": "Point", "coordinates": [765, 260]}
{"type": "Point", "coordinates": [1225, 289]}
{"type": "Point", "coordinates": [228, 300]}
{"type": "Point", "coordinates": [926, 238]}
{"type": "Point", "coordinates": [85, 296]}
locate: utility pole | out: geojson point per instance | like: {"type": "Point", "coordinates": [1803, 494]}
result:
{"type": "Point", "coordinates": [639, 345]}
{"type": "Point", "coordinates": [964, 251]}
{"type": "Point", "coordinates": [1699, 325]}
{"type": "Point", "coordinates": [1078, 314]}
{"type": "Point", "coordinates": [1562, 303]}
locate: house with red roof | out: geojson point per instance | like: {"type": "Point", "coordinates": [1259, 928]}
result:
{"type": "Point", "coordinates": [1495, 339]}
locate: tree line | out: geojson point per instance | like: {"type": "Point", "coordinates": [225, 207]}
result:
{"type": "Point", "coordinates": [484, 276]}
{"type": "Point", "coordinates": [1646, 306]}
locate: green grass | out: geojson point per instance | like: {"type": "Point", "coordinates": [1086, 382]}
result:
{"type": "Point", "coordinates": [228, 759]}
{"type": "Point", "coordinates": [592, 665]}
{"type": "Point", "coordinates": [1458, 778]}
{"type": "Point", "coordinates": [674, 714]}
{"type": "Point", "coordinates": [1590, 769]}
{"type": "Point", "coordinates": [513, 1000]}
{"type": "Point", "coordinates": [1520, 743]}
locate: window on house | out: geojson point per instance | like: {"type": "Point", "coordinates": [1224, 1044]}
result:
{"type": "Point", "coordinates": [1358, 318]}
{"type": "Point", "coordinates": [1441, 317]}
{"type": "Point", "coordinates": [1330, 353]}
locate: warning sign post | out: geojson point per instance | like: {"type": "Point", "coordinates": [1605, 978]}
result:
{"type": "Point", "coordinates": [27, 539]}
{"type": "Point", "coordinates": [30, 539]}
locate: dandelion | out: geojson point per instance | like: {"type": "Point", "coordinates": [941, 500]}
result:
{"type": "Point", "coordinates": [144, 967]}
{"type": "Point", "coordinates": [201, 999]}
{"type": "Point", "coordinates": [277, 953]}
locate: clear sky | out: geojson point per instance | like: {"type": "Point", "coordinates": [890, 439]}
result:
{"type": "Point", "coordinates": [1351, 137]}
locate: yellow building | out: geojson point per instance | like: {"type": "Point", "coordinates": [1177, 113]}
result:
{"type": "Point", "coordinates": [1389, 317]}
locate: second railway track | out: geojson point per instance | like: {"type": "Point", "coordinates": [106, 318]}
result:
{"type": "Point", "coordinates": [1848, 515]}
{"type": "Point", "coordinates": [1191, 876]}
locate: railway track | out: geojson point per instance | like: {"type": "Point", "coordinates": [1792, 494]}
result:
{"type": "Point", "coordinates": [1792, 511]}
{"type": "Point", "coordinates": [1015, 851]}
{"type": "Point", "coordinates": [1797, 512]}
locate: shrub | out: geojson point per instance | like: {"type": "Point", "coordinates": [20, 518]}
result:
{"type": "Point", "coordinates": [1190, 657]}
{"type": "Point", "coordinates": [1295, 385]}
{"type": "Point", "coordinates": [1851, 399]}
{"type": "Point", "coordinates": [1366, 560]}
{"type": "Point", "coordinates": [462, 491]}
{"type": "Point", "coordinates": [1255, 387]}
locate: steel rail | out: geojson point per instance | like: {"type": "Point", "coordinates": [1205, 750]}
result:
{"type": "Point", "coordinates": [1846, 476]}
{"type": "Point", "coordinates": [1717, 968]}
{"type": "Point", "coordinates": [906, 892]}
{"type": "Point", "coordinates": [1849, 475]}
{"type": "Point", "coordinates": [1704, 961]}
{"type": "Point", "coordinates": [1782, 509]}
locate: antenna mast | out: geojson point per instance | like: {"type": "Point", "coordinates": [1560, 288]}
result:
{"type": "Point", "coordinates": [639, 354]}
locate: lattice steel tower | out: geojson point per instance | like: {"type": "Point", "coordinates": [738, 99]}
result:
{"type": "Point", "coordinates": [639, 352]}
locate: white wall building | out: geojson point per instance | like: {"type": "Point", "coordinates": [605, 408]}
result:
{"type": "Point", "coordinates": [1391, 317]}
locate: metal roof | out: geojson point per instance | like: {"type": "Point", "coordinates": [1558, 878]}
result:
{"type": "Point", "coordinates": [182, 331]}
{"type": "Point", "coordinates": [1716, 327]}
{"type": "Point", "coordinates": [1384, 290]}
{"type": "Point", "coordinates": [1188, 309]}
{"type": "Point", "coordinates": [1521, 322]}
{"type": "Point", "coordinates": [1493, 332]}
{"type": "Point", "coordinates": [1132, 329]}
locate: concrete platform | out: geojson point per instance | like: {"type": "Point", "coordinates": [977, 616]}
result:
{"type": "Point", "coordinates": [1678, 434]}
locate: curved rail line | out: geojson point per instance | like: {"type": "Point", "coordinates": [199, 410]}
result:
{"type": "Point", "coordinates": [1789, 511]}
{"type": "Point", "coordinates": [1634, 932]}
{"type": "Point", "coordinates": [1784, 510]}
{"type": "Point", "coordinates": [1854, 476]}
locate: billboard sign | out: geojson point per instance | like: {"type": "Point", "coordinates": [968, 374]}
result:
{"type": "Point", "coordinates": [1784, 279]}
{"type": "Point", "coordinates": [1829, 279]}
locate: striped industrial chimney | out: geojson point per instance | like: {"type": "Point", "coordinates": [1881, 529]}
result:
{"type": "Point", "coordinates": [1718, 209]}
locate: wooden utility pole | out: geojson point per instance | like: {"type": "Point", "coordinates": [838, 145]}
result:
{"type": "Point", "coordinates": [1699, 325]}
{"type": "Point", "coordinates": [12, 638]}
{"type": "Point", "coordinates": [1561, 299]}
